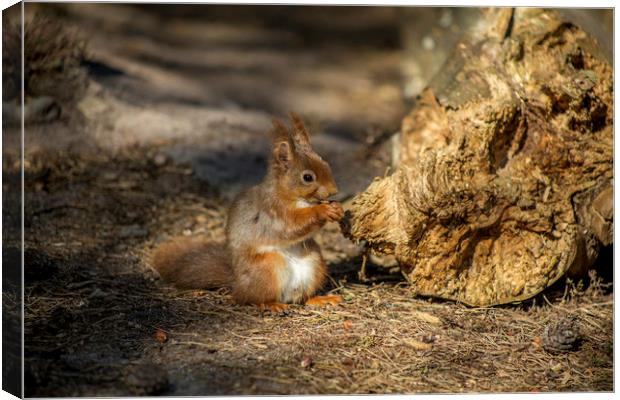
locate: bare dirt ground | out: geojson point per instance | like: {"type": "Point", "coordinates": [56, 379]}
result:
{"type": "Point", "coordinates": [172, 124]}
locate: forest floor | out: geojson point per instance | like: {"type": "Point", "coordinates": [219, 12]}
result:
{"type": "Point", "coordinates": [170, 128]}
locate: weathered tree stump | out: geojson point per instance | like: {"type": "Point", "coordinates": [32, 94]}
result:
{"type": "Point", "coordinates": [503, 178]}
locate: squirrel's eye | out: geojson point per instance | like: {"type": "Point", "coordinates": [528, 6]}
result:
{"type": "Point", "coordinates": [307, 176]}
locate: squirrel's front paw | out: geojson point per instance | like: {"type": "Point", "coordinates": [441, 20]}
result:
{"type": "Point", "coordinates": [332, 211]}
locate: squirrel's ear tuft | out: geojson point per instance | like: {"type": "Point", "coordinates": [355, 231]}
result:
{"type": "Point", "coordinates": [282, 154]}
{"type": "Point", "coordinates": [279, 133]}
{"type": "Point", "coordinates": [300, 133]}
{"type": "Point", "coordinates": [282, 144]}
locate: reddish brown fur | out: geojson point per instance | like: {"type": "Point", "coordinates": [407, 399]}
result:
{"type": "Point", "coordinates": [255, 279]}
{"type": "Point", "coordinates": [193, 264]}
{"type": "Point", "coordinates": [266, 222]}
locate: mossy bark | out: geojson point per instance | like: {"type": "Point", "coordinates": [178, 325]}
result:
{"type": "Point", "coordinates": [503, 178]}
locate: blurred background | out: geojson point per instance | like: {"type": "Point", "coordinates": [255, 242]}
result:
{"type": "Point", "coordinates": [207, 79]}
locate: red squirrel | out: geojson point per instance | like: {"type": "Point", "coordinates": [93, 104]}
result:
{"type": "Point", "coordinates": [269, 258]}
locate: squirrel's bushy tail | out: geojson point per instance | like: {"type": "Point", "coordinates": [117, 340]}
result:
{"type": "Point", "coordinates": [193, 264]}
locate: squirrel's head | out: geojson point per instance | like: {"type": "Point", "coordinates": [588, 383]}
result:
{"type": "Point", "coordinates": [300, 172]}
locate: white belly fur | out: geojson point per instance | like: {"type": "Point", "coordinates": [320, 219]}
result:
{"type": "Point", "coordinates": [297, 279]}
{"type": "Point", "coordinates": [298, 275]}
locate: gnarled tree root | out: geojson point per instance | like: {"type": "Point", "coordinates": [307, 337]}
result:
{"type": "Point", "coordinates": [504, 179]}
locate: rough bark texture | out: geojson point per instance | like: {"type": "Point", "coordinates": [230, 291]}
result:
{"type": "Point", "coordinates": [503, 177]}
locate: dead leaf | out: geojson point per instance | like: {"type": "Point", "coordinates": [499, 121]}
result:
{"type": "Point", "coordinates": [161, 336]}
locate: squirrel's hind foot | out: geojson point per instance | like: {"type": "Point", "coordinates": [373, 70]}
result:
{"type": "Point", "coordinates": [273, 307]}
{"type": "Point", "coordinates": [320, 301]}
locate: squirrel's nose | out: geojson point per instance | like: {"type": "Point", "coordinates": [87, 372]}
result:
{"type": "Point", "coordinates": [332, 189]}
{"type": "Point", "coordinates": [326, 191]}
